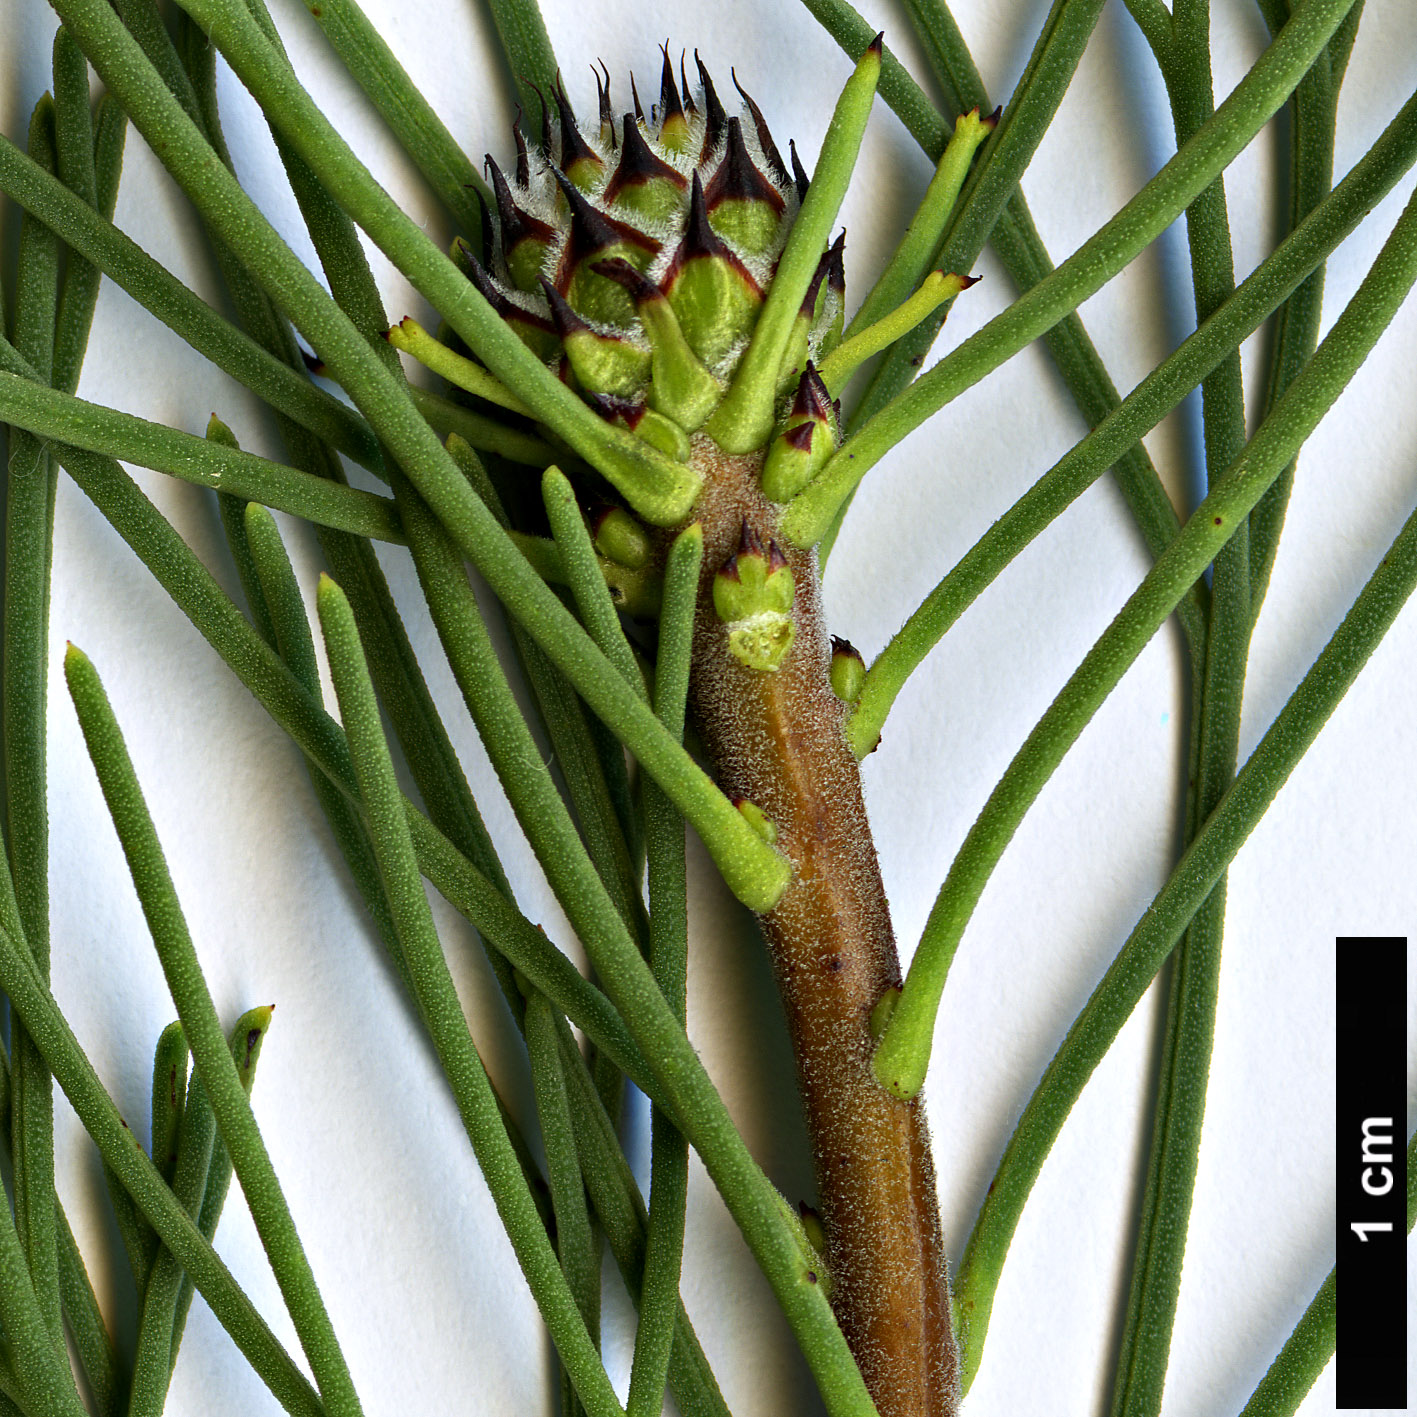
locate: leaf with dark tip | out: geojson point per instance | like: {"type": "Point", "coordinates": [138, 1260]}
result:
{"type": "Point", "coordinates": [770, 152]}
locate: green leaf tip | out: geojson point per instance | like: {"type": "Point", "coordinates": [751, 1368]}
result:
{"type": "Point", "coordinates": [743, 422]}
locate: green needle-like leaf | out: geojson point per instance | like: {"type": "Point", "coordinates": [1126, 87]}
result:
{"type": "Point", "coordinates": [421, 133]}
{"type": "Point", "coordinates": [29, 530]}
{"type": "Point", "coordinates": [195, 1148]}
{"type": "Point", "coordinates": [30, 998]}
{"type": "Point", "coordinates": [438, 1000]}
{"type": "Point", "coordinates": [210, 1051]}
{"type": "Point", "coordinates": [1251, 104]}
{"type": "Point", "coordinates": [51, 414]}
{"type": "Point", "coordinates": [903, 1053]}
{"type": "Point", "coordinates": [742, 422]}
{"type": "Point", "coordinates": [161, 293]}
{"type": "Point", "coordinates": [1257, 297]}
{"type": "Point", "coordinates": [1256, 785]}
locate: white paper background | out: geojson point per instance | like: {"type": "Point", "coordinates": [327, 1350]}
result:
{"type": "Point", "coordinates": [398, 1225]}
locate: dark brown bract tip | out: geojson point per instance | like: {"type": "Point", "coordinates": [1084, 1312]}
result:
{"type": "Point", "coordinates": [565, 319]}
{"type": "Point", "coordinates": [638, 286]}
{"type": "Point", "coordinates": [617, 410]}
{"type": "Point", "coordinates": [877, 45]}
{"type": "Point", "coordinates": [715, 119]}
{"type": "Point", "coordinates": [516, 224]}
{"type": "Point", "coordinates": [812, 400]}
{"type": "Point", "coordinates": [809, 301]}
{"type": "Point", "coordinates": [523, 164]}
{"type": "Point", "coordinates": [592, 231]}
{"type": "Point", "coordinates": [670, 104]}
{"type": "Point", "coordinates": [836, 265]}
{"type": "Point", "coordinates": [737, 178]}
{"type": "Point", "coordinates": [639, 165]}
{"type": "Point", "coordinates": [602, 98]}
{"type": "Point", "coordinates": [799, 173]}
{"type": "Point", "coordinates": [574, 147]}
{"type": "Point", "coordinates": [770, 152]}
{"type": "Point", "coordinates": [799, 437]}
{"type": "Point", "coordinates": [689, 104]}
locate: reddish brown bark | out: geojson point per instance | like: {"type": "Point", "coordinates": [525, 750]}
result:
{"type": "Point", "coordinates": [776, 739]}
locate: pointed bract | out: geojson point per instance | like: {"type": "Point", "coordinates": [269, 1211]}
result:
{"type": "Point", "coordinates": [597, 237]}
{"type": "Point", "coordinates": [579, 161]}
{"type": "Point", "coordinates": [713, 293]}
{"type": "Point", "coordinates": [607, 113]}
{"type": "Point", "coordinates": [689, 106]}
{"type": "Point", "coordinates": [525, 239]}
{"type": "Point", "coordinates": [641, 420]}
{"type": "Point", "coordinates": [523, 162]}
{"type": "Point", "coordinates": [643, 183]}
{"type": "Point", "coordinates": [771, 156]}
{"type": "Point", "coordinates": [674, 132]}
{"type": "Point", "coordinates": [743, 206]}
{"type": "Point", "coordinates": [715, 119]}
{"type": "Point", "coordinates": [602, 363]}
{"type": "Point", "coordinates": [799, 173]}
{"type": "Point", "coordinates": [535, 331]}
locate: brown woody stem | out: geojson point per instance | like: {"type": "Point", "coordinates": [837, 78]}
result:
{"type": "Point", "coordinates": [777, 739]}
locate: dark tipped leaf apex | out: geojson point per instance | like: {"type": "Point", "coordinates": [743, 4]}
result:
{"type": "Point", "coordinates": [799, 173]}
{"type": "Point", "coordinates": [738, 179]}
{"type": "Point", "coordinates": [770, 152]}
{"type": "Point", "coordinates": [715, 119]}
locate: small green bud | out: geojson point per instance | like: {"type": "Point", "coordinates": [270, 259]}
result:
{"type": "Point", "coordinates": [848, 670]}
{"type": "Point", "coordinates": [643, 184]}
{"type": "Point", "coordinates": [711, 291]}
{"type": "Point", "coordinates": [246, 1039]}
{"type": "Point", "coordinates": [680, 387]}
{"type": "Point", "coordinates": [656, 430]}
{"type": "Point", "coordinates": [881, 1013]}
{"type": "Point", "coordinates": [757, 819]}
{"type": "Point", "coordinates": [753, 595]}
{"type": "Point", "coordinates": [812, 1224]}
{"type": "Point", "coordinates": [596, 237]}
{"type": "Point", "coordinates": [602, 363]}
{"type": "Point", "coordinates": [796, 455]}
{"type": "Point", "coordinates": [743, 206]}
{"type": "Point", "coordinates": [218, 432]}
{"type": "Point", "coordinates": [620, 538]}
{"type": "Point", "coordinates": [525, 238]}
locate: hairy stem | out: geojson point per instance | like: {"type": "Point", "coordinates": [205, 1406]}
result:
{"type": "Point", "coordinates": [777, 740]}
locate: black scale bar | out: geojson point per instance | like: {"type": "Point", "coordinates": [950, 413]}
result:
{"type": "Point", "coordinates": [1371, 1131]}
